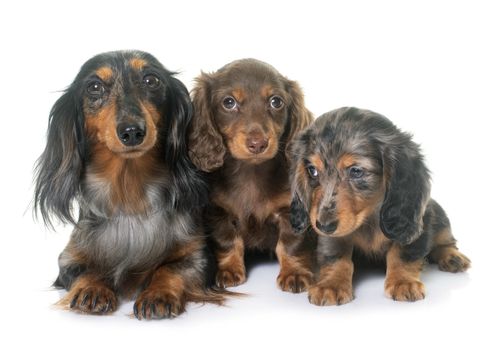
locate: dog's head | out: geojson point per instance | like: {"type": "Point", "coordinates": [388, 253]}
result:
{"type": "Point", "coordinates": [121, 105]}
{"type": "Point", "coordinates": [247, 109]}
{"type": "Point", "coordinates": [352, 164]}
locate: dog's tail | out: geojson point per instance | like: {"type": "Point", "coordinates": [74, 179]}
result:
{"type": "Point", "coordinates": [213, 295]}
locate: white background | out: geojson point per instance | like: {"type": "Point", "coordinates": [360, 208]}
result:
{"type": "Point", "coordinates": [427, 65]}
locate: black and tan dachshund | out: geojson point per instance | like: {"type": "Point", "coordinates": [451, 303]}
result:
{"type": "Point", "coordinates": [117, 147]}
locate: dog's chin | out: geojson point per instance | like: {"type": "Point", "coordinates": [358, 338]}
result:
{"type": "Point", "coordinates": [252, 158]}
{"type": "Point", "coordinates": [130, 152]}
{"type": "Point", "coordinates": [335, 234]}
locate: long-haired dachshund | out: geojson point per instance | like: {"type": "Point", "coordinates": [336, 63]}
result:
{"type": "Point", "coordinates": [117, 147]}
{"type": "Point", "coordinates": [246, 114]}
{"type": "Point", "coordinates": [361, 184]}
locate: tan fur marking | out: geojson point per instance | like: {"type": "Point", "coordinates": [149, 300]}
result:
{"type": "Point", "coordinates": [105, 73]}
{"type": "Point", "coordinates": [444, 237]}
{"type": "Point", "coordinates": [402, 280]}
{"type": "Point", "coordinates": [164, 297]}
{"type": "Point", "coordinates": [317, 161]}
{"type": "Point", "coordinates": [266, 91]}
{"type": "Point", "coordinates": [188, 248]}
{"type": "Point", "coordinates": [127, 178]}
{"type": "Point", "coordinates": [88, 294]}
{"type": "Point", "coordinates": [295, 275]}
{"type": "Point", "coordinates": [138, 63]}
{"type": "Point", "coordinates": [317, 195]}
{"type": "Point", "coordinates": [231, 265]}
{"type": "Point", "coordinates": [371, 243]}
{"type": "Point", "coordinates": [353, 210]}
{"type": "Point", "coordinates": [446, 254]}
{"type": "Point", "coordinates": [239, 95]}
{"type": "Point", "coordinates": [346, 160]}
{"type": "Point", "coordinates": [166, 279]}
{"type": "Point", "coordinates": [334, 286]}
{"type": "Point", "coordinates": [103, 125]}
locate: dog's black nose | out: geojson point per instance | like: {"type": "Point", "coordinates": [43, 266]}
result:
{"type": "Point", "coordinates": [327, 228]}
{"type": "Point", "coordinates": [131, 134]}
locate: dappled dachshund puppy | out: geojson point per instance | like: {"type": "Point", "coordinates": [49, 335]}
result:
{"type": "Point", "coordinates": [116, 146]}
{"type": "Point", "coordinates": [245, 115]}
{"type": "Point", "coordinates": [361, 184]}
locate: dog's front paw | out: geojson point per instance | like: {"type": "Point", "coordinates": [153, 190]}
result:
{"type": "Point", "coordinates": [158, 304]}
{"type": "Point", "coordinates": [93, 300]}
{"type": "Point", "coordinates": [455, 261]}
{"type": "Point", "coordinates": [230, 277]}
{"type": "Point", "coordinates": [294, 282]}
{"type": "Point", "coordinates": [405, 290]}
{"type": "Point", "coordinates": [323, 294]}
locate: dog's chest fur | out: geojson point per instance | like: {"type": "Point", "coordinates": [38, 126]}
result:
{"type": "Point", "coordinates": [370, 241]}
{"type": "Point", "coordinates": [117, 242]}
{"type": "Point", "coordinates": [254, 198]}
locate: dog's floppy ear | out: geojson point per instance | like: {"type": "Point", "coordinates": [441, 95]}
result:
{"type": "Point", "coordinates": [191, 190]}
{"type": "Point", "coordinates": [299, 116]}
{"type": "Point", "coordinates": [179, 108]}
{"type": "Point", "coordinates": [59, 168]}
{"type": "Point", "coordinates": [407, 190]}
{"type": "Point", "coordinates": [298, 214]}
{"type": "Point", "coordinates": [300, 190]}
{"type": "Point", "coordinates": [206, 146]}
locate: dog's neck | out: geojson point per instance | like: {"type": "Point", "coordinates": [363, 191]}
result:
{"type": "Point", "coordinates": [126, 179]}
{"type": "Point", "coordinates": [267, 167]}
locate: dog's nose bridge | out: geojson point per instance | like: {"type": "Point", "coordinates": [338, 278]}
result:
{"type": "Point", "coordinates": [256, 130]}
{"type": "Point", "coordinates": [328, 202]}
{"type": "Point", "coordinates": [129, 111]}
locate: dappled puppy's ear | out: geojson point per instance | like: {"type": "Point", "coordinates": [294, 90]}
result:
{"type": "Point", "coordinates": [298, 214]}
{"type": "Point", "coordinates": [299, 188]}
{"type": "Point", "coordinates": [206, 146]}
{"type": "Point", "coordinates": [407, 191]}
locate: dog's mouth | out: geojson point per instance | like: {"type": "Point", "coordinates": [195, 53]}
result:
{"type": "Point", "coordinates": [339, 226]}
{"type": "Point", "coordinates": [253, 152]}
{"type": "Point", "coordinates": [132, 153]}
{"type": "Point", "coordinates": [129, 150]}
{"type": "Point", "coordinates": [329, 232]}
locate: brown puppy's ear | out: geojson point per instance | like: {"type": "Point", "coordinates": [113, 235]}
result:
{"type": "Point", "coordinates": [299, 116]}
{"type": "Point", "coordinates": [206, 146]}
{"type": "Point", "coordinates": [407, 191]}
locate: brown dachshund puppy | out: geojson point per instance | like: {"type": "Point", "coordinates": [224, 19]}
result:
{"type": "Point", "coordinates": [361, 184]}
{"type": "Point", "coordinates": [246, 114]}
{"type": "Point", "coordinates": [117, 147]}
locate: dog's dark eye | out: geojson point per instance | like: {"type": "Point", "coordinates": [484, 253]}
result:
{"type": "Point", "coordinates": [312, 171]}
{"type": "Point", "coordinates": [356, 172]}
{"type": "Point", "coordinates": [229, 103]}
{"type": "Point", "coordinates": [276, 102]}
{"type": "Point", "coordinates": [95, 88]}
{"type": "Point", "coordinates": [151, 81]}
